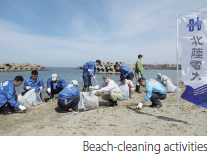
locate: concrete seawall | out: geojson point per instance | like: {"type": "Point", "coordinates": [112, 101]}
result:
{"type": "Point", "coordinates": [15, 67]}
{"type": "Point", "coordinates": [109, 67]}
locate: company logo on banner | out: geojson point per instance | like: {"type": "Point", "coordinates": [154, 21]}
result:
{"type": "Point", "coordinates": [193, 40]}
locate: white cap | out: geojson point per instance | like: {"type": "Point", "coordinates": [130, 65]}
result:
{"type": "Point", "coordinates": [74, 82]}
{"type": "Point", "coordinates": [54, 77]}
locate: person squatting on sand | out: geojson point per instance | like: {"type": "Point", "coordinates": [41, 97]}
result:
{"type": "Point", "coordinates": [155, 91]}
{"type": "Point", "coordinates": [125, 71]}
{"type": "Point", "coordinates": [124, 81]}
{"type": "Point", "coordinates": [89, 69]}
{"type": "Point", "coordinates": [33, 82]}
{"type": "Point", "coordinates": [138, 72]}
{"type": "Point", "coordinates": [8, 97]}
{"type": "Point", "coordinates": [130, 84]}
{"type": "Point", "coordinates": [114, 92]}
{"type": "Point", "coordinates": [69, 97]}
{"type": "Point", "coordinates": [166, 82]}
{"type": "Point", "coordinates": [55, 85]}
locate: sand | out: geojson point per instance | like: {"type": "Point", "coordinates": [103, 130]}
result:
{"type": "Point", "coordinates": [123, 120]}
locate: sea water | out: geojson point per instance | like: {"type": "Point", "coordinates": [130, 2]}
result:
{"type": "Point", "coordinates": [69, 74]}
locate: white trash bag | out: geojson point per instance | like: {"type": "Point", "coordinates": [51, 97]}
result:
{"type": "Point", "coordinates": [80, 104]}
{"type": "Point", "coordinates": [30, 98]}
{"type": "Point", "coordinates": [170, 86]}
{"type": "Point", "coordinates": [87, 101]}
{"type": "Point", "coordinates": [125, 91]}
{"type": "Point", "coordinates": [91, 88]}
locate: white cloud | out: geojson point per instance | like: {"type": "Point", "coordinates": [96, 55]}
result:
{"type": "Point", "coordinates": [131, 27]}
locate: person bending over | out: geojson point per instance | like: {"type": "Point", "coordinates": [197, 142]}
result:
{"type": "Point", "coordinates": [125, 71]}
{"type": "Point", "coordinates": [69, 97]}
{"type": "Point", "coordinates": [89, 69]}
{"type": "Point", "coordinates": [166, 82]}
{"type": "Point", "coordinates": [155, 91]}
{"type": "Point", "coordinates": [7, 94]}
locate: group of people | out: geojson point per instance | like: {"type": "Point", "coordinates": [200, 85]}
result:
{"type": "Point", "coordinates": [155, 89]}
{"type": "Point", "coordinates": [69, 96]}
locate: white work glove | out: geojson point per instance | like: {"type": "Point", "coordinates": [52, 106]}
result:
{"type": "Point", "coordinates": [96, 87]}
{"type": "Point", "coordinates": [139, 106]}
{"type": "Point", "coordinates": [40, 87]}
{"type": "Point", "coordinates": [91, 87]}
{"type": "Point", "coordinates": [22, 108]}
{"type": "Point", "coordinates": [49, 90]}
{"type": "Point", "coordinates": [28, 88]}
{"type": "Point", "coordinates": [93, 92]}
{"type": "Point", "coordinates": [89, 70]}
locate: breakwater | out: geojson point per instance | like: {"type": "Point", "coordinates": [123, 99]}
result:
{"type": "Point", "coordinates": [15, 67]}
{"type": "Point", "coordinates": [109, 67]}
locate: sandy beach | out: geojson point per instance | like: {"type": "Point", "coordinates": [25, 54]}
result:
{"type": "Point", "coordinates": [123, 120]}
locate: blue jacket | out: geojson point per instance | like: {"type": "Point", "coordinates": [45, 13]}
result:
{"type": "Point", "coordinates": [89, 65]}
{"type": "Point", "coordinates": [60, 84]}
{"type": "Point", "coordinates": [125, 70]}
{"type": "Point", "coordinates": [68, 92]}
{"type": "Point", "coordinates": [34, 84]}
{"type": "Point", "coordinates": [153, 86]}
{"type": "Point", "coordinates": [7, 94]}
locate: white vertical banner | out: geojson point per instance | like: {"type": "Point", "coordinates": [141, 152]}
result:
{"type": "Point", "coordinates": [193, 40]}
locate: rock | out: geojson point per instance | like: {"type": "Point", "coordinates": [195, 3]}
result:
{"type": "Point", "coordinates": [38, 68]}
{"type": "Point", "coordinates": [110, 68]}
{"type": "Point", "coordinates": [101, 72]}
{"type": "Point", "coordinates": [12, 67]}
{"type": "Point", "coordinates": [10, 70]}
{"type": "Point", "coordinates": [6, 68]}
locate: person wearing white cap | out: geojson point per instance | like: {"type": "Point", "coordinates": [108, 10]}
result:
{"type": "Point", "coordinates": [69, 97]}
{"type": "Point", "coordinates": [166, 82]}
{"type": "Point", "coordinates": [114, 92]}
{"type": "Point", "coordinates": [55, 85]}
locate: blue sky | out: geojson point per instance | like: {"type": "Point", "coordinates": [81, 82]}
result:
{"type": "Point", "coordinates": [65, 33]}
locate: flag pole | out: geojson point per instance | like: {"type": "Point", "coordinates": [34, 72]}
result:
{"type": "Point", "coordinates": [178, 109]}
